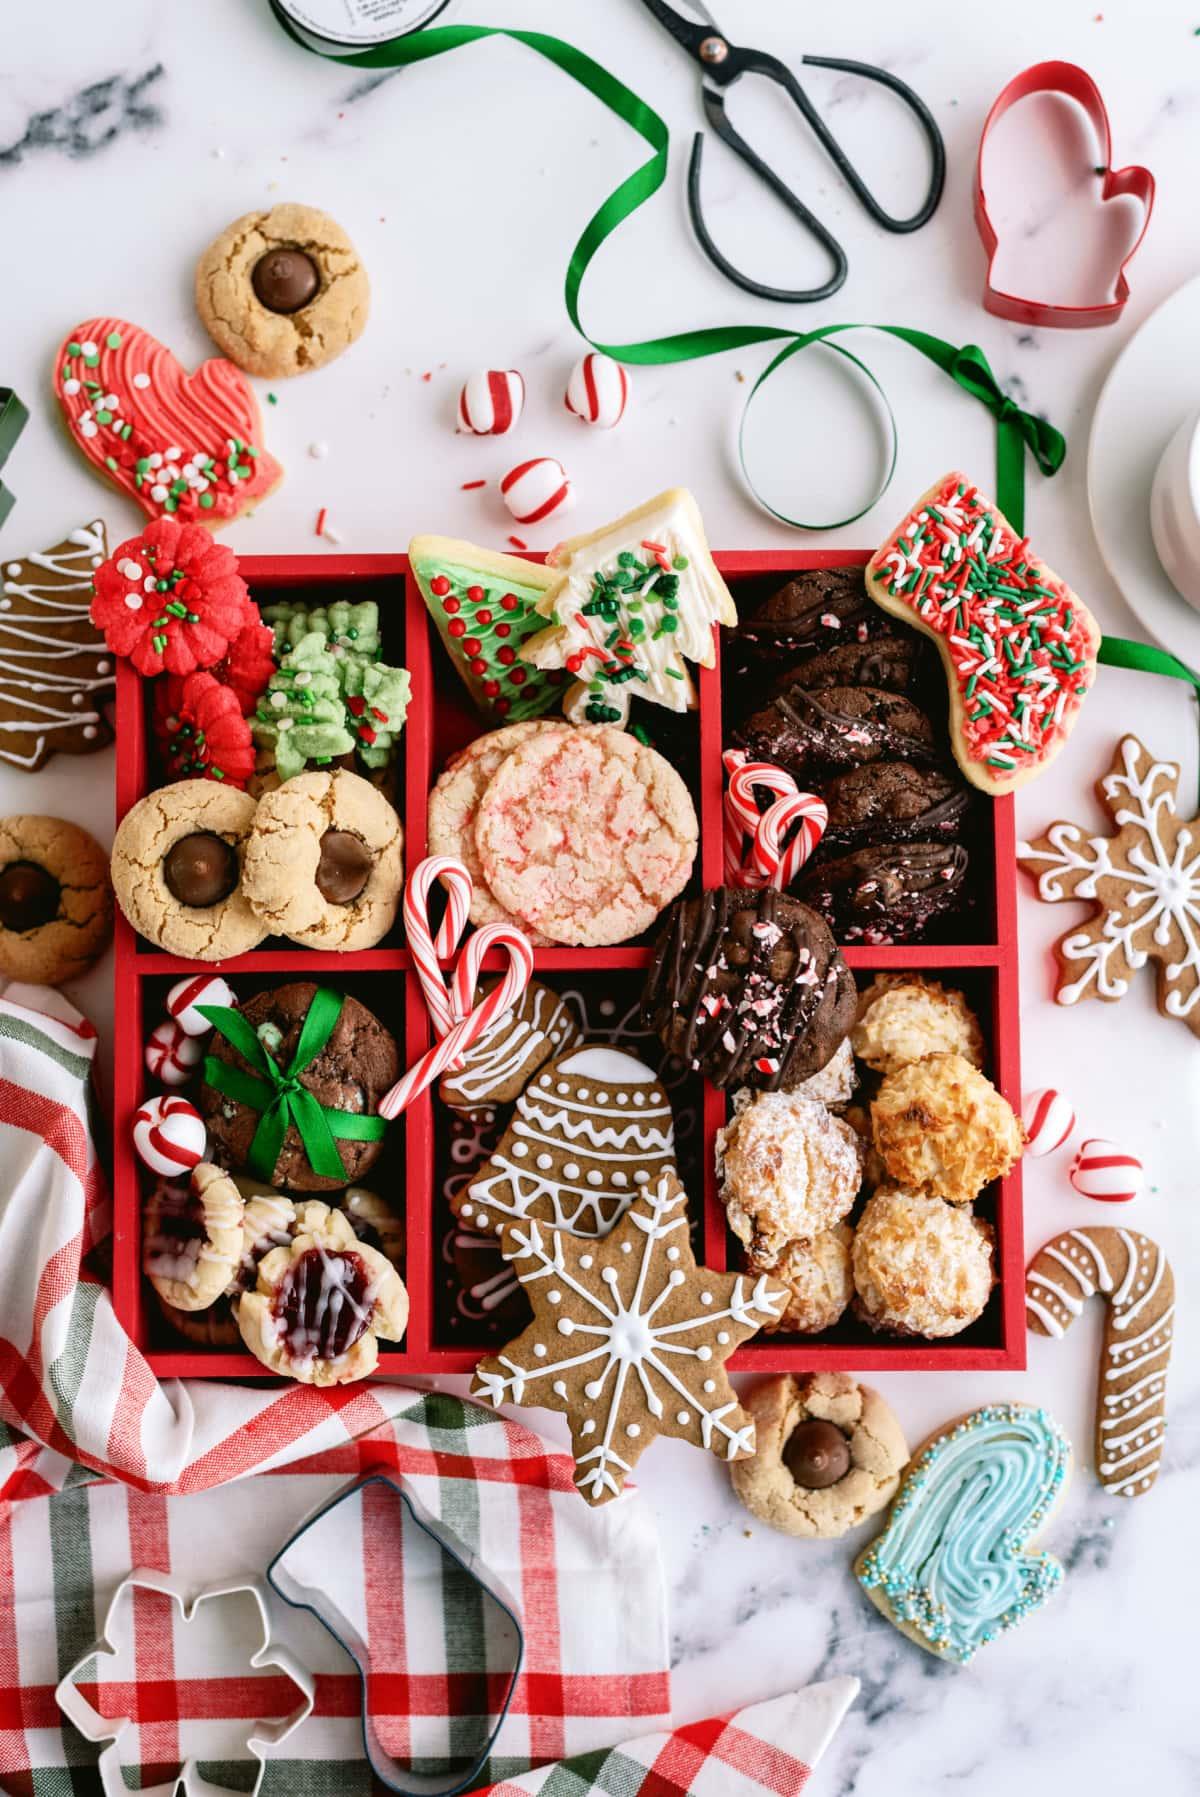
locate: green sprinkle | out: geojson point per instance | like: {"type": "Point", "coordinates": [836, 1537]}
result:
{"type": "Point", "coordinates": [104, 417]}
{"type": "Point", "coordinates": [679, 563]}
{"type": "Point", "coordinates": [674, 673]}
{"type": "Point", "coordinates": [113, 340]}
{"type": "Point", "coordinates": [272, 399]}
{"type": "Point", "coordinates": [74, 349]}
{"type": "Point", "coordinates": [110, 462]}
{"type": "Point", "coordinates": [91, 361]}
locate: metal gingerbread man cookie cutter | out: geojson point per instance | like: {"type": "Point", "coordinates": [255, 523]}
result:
{"type": "Point", "coordinates": [301, 1575]}
{"type": "Point", "coordinates": [261, 1735]}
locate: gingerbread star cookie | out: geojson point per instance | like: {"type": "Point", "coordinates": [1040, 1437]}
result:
{"type": "Point", "coordinates": [1143, 884]}
{"type": "Point", "coordinates": [629, 1338]}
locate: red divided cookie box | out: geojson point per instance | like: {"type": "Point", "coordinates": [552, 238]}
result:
{"type": "Point", "coordinates": [446, 1335]}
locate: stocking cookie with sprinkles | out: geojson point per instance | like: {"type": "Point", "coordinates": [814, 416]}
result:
{"type": "Point", "coordinates": [56, 671]}
{"type": "Point", "coordinates": [1134, 1275]}
{"type": "Point", "coordinates": [629, 1338]}
{"type": "Point", "coordinates": [485, 606]}
{"type": "Point", "coordinates": [590, 1131]}
{"type": "Point", "coordinates": [1018, 646]}
{"type": "Point", "coordinates": [1143, 885]}
{"type": "Point", "coordinates": [177, 444]}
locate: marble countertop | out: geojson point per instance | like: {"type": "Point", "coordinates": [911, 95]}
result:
{"type": "Point", "coordinates": [130, 135]}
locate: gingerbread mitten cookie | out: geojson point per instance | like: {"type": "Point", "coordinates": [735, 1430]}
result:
{"type": "Point", "coordinates": [499, 1066]}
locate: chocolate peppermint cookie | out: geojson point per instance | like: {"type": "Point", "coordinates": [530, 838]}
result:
{"type": "Point", "coordinates": [749, 988]}
{"type": "Point", "coordinates": [890, 893]}
{"type": "Point", "coordinates": [819, 734]}
{"type": "Point", "coordinates": [812, 611]}
{"type": "Point", "coordinates": [891, 662]}
{"type": "Point", "coordinates": [893, 801]}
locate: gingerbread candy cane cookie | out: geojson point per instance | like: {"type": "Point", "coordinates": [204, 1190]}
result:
{"type": "Point", "coordinates": [1134, 1274]}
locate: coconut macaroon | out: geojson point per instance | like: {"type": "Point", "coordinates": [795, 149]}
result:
{"type": "Point", "coordinates": [921, 1266]}
{"type": "Point", "coordinates": [819, 1281]}
{"type": "Point", "coordinates": [904, 1017]}
{"type": "Point", "coordinates": [942, 1128]}
{"type": "Point", "coordinates": [789, 1170]}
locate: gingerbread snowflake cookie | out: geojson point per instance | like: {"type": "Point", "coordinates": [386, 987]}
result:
{"type": "Point", "coordinates": [629, 1339]}
{"type": "Point", "coordinates": [592, 1130]}
{"type": "Point", "coordinates": [56, 672]}
{"type": "Point", "coordinates": [1143, 884]}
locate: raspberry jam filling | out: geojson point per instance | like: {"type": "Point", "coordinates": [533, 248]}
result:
{"type": "Point", "coordinates": [323, 1305]}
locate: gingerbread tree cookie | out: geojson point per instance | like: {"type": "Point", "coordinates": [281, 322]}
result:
{"type": "Point", "coordinates": [632, 605]}
{"type": "Point", "coordinates": [56, 671]}
{"type": "Point", "coordinates": [629, 1338]}
{"type": "Point", "coordinates": [1143, 884]}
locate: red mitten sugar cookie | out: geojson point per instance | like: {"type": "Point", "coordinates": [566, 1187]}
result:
{"type": "Point", "coordinates": [1135, 1276]}
{"type": "Point", "coordinates": [1018, 645]}
{"type": "Point", "coordinates": [187, 444]}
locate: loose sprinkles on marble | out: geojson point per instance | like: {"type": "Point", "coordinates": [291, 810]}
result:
{"type": "Point", "coordinates": [1020, 653]}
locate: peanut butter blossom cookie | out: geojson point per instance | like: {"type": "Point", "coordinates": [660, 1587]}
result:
{"type": "Point", "coordinates": [953, 1568]}
{"type": "Point", "coordinates": [1019, 647]}
{"type": "Point", "coordinates": [485, 608]}
{"type": "Point", "coordinates": [55, 900]}
{"type": "Point", "coordinates": [282, 291]}
{"type": "Point", "coordinates": [829, 1454]}
{"type": "Point", "coordinates": [177, 870]}
{"type": "Point", "coordinates": [629, 1339]}
{"type": "Point", "coordinates": [188, 445]}
{"type": "Point", "coordinates": [324, 863]}
{"type": "Point", "coordinates": [56, 671]}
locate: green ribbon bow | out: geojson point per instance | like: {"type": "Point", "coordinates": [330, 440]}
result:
{"type": "Point", "coordinates": [1016, 430]}
{"type": "Point", "coordinates": [280, 1096]}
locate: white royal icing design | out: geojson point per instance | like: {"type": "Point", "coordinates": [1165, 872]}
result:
{"type": "Point", "coordinates": [512, 1043]}
{"type": "Point", "coordinates": [33, 615]}
{"type": "Point", "coordinates": [626, 1344]}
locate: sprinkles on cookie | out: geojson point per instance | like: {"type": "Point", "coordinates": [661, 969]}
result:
{"type": "Point", "coordinates": [1019, 646]}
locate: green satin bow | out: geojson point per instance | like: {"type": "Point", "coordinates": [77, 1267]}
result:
{"type": "Point", "coordinates": [280, 1097]}
{"type": "Point", "coordinates": [1016, 430]}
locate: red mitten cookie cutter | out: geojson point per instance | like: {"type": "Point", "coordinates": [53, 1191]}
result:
{"type": "Point", "coordinates": [1076, 84]}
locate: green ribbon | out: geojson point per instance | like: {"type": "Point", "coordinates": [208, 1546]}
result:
{"type": "Point", "coordinates": [280, 1096]}
{"type": "Point", "coordinates": [1016, 430]}
{"type": "Point", "coordinates": [1145, 658]}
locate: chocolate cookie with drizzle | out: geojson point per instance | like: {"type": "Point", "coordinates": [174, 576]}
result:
{"type": "Point", "coordinates": [818, 734]}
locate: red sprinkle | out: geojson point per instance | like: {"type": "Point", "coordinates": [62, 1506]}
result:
{"type": "Point", "coordinates": [450, 605]}
{"type": "Point", "coordinates": [456, 627]}
{"type": "Point", "coordinates": [321, 517]}
{"type": "Point", "coordinates": [474, 594]}
{"type": "Point", "coordinates": [517, 543]}
{"type": "Point", "coordinates": [502, 629]}
{"type": "Point", "coordinates": [439, 584]}
{"type": "Point", "coordinates": [483, 615]}
{"type": "Point", "coordinates": [509, 601]}
{"type": "Point", "coordinates": [506, 656]}
{"type": "Point", "coordinates": [518, 677]}
{"type": "Point", "coordinates": [428, 375]}
{"type": "Point", "coordinates": [472, 646]}
{"type": "Point", "coordinates": [473, 486]}
{"type": "Point", "coordinates": [491, 688]}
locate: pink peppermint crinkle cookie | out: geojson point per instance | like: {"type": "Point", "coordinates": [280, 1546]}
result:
{"type": "Point", "coordinates": [586, 835]}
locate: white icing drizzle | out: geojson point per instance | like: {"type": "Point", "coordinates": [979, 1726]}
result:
{"type": "Point", "coordinates": [1132, 1261]}
{"type": "Point", "coordinates": [1103, 1276]}
{"type": "Point", "coordinates": [1046, 1317]}
{"type": "Point", "coordinates": [609, 1064]}
{"type": "Point", "coordinates": [514, 1041]}
{"type": "Point", "coordinates": [1118, 1422]}
{"type": "Point", "coordinates": [1114, 1399]}
{"type": "Point", "coordinates": [1074, 1305]}
{"type": "Point", "coordinates": [1123, 1322]}
{"type": "Point", "coordinates": [32, 640]}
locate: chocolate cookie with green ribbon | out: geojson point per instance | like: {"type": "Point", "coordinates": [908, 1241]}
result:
{"type": "Point", "coordinates": [292, 1086]}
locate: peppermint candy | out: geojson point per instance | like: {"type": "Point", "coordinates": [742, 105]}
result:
{"type": "Point", "coordinates": [491, 402]}
{"type": "Point", "coordinates": [1048, 1119]}
{"type": "Point", "coordinates": [537, 489]}
{"type": "Point", "coordinates": [169, 1136]}
{"type": "Point", "coordinates": [1104, 1171]}
{"type": "Point", "coordinates": [184, 999]}
{"type": "Point", "coordinates": [172, 1056]}
{"type": "Point", "coordinates": [598, 390]}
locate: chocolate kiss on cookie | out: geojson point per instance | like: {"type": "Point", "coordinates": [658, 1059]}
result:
{"type": "Point", "coordinates": [841, 727]}
{"type": "Point", "coordinates": [893, 801]}
{"type": "Point", "coordinates": [887, 894]}
{"type": "Point", "coordinates": [590, 1131]}
{"type": "Point", "coordinates": [749, 988]}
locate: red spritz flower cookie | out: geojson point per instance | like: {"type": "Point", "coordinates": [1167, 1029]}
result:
{"type": "Point", "coordinates": [249, 663]}
{"type": "Point", "coordinates": [200, 730]}
{"type": "Point", "coordinates": [172, 600]}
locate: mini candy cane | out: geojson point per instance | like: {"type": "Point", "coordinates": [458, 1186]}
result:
{"type": "Point", "coordinates": [779, 865]}
{"type": "Point", "coordinates": [467, 1031]}
{"type": "Point", "coordinates": [425, 951]}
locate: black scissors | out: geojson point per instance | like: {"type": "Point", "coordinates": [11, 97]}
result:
{"type": "Point", "coordinates": [723, 63]}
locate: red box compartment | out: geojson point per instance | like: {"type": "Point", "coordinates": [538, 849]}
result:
{"type": "Point", "coordinates": [440, 1339]}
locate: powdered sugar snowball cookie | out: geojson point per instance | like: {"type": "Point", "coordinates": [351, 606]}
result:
{"type": "Point", "coordinates": [586, 835]}
{"type": "Point", "coordinates": [789, 1170]}
{"type": "Point", "coordinates": [921, 1266]}
{"type": "Point", "coordinates": [941, 1127]}
{"type": "Point", "coordinates": [818, 1278]}
{"type": "Point", "coordinates": [192, 1238]}
{"type": "Point", "coordinates": [1106, 1172]}
{"type": "Point", "coordinates": [169, 1136]}
{"type": "Point", "coordinates": [454, 805]}
{"type": "Point", "coordinates": [491, 402]}
{"type": "Point", "coordinates": [185, 998]}
{"type": "Point", "coordinates": [597, 390]}
{"type": "Point", "coordinates": [172, 1056]}
{"type": "Point", "coordinates": [904, 1017]}
{"type": "Point", "coordinates": [537, 489]}
{"type": "Point", "coordinates": [1049, 1119]}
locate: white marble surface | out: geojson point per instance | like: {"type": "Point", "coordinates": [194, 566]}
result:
{"type": "Point", "coordinates": [129, 135]}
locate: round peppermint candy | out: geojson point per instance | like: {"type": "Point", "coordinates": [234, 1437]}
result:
{"type": "Point", "coordinates": [491, 402]}
{"type": "Point", "coordinates": [184, 999]}
{"type": "Point", "coordinates": [172, 1056]}
{"type": "Point", "coordinates": [1048, 1120]}
{"type": "Point", "coordinates": [169, 1135]}
{"type": "Point", "coordinates": [1104, 1171]}
{"type": "Point", "coordinates": [598, 390]}
{"type": "Point", "coordinates": [537, 489]}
